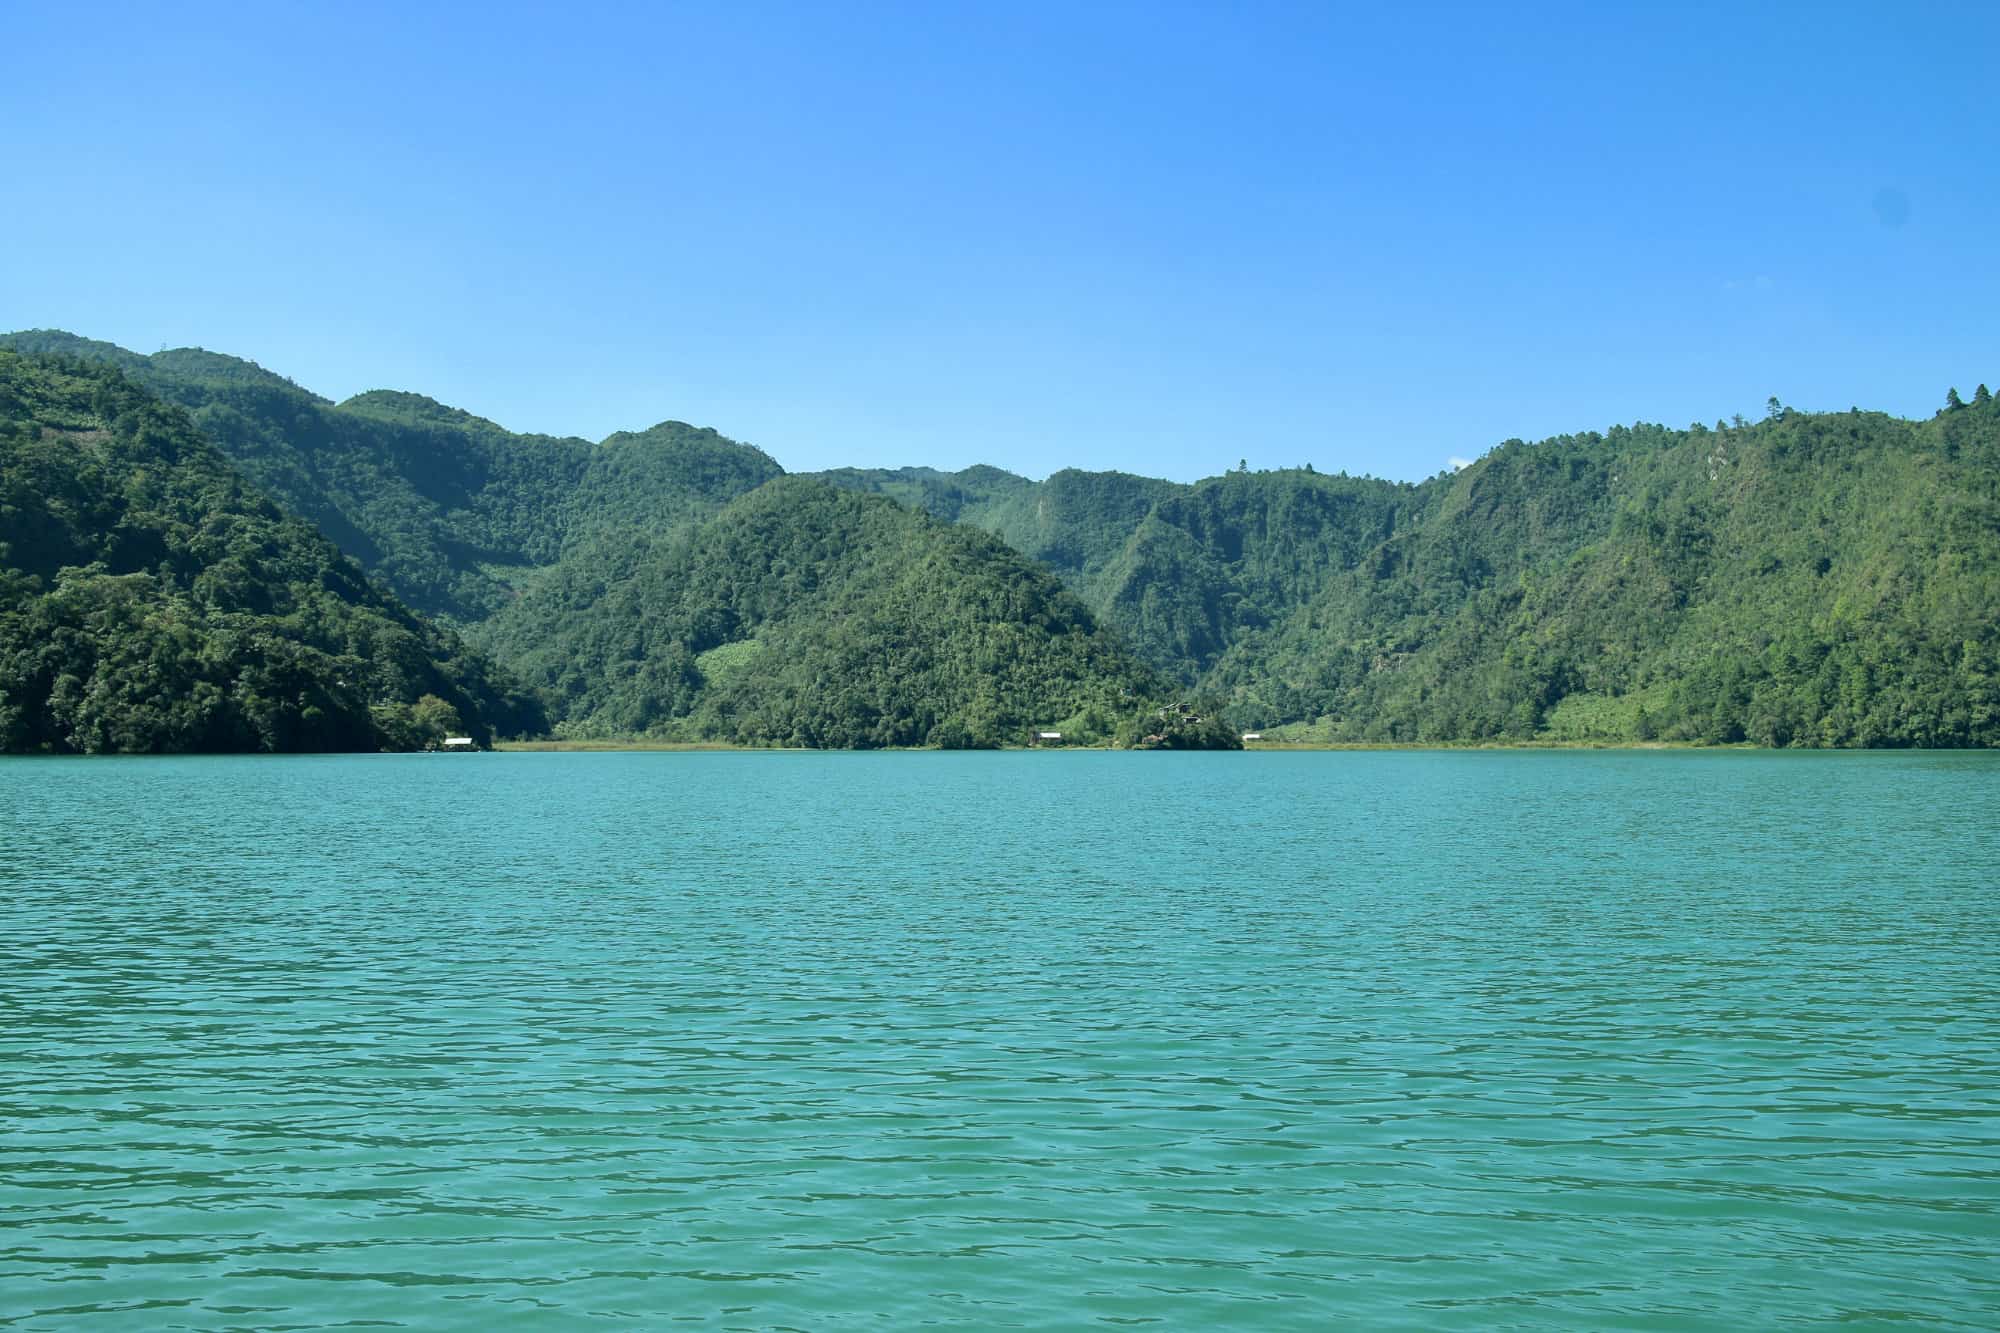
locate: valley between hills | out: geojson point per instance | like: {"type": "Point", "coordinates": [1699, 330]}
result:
{"type": "Point", "coordinates": [198, 555]}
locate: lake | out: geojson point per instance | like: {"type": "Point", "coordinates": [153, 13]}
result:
{"type": "Point", "coordinates": [1475, 1040]}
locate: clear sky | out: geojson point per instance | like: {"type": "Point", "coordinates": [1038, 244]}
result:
{"type": "Point", "coordinates": [1152, 237]}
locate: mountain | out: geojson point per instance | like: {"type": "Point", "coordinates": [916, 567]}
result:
{"type": "Point", "coordinates": [152, 601]}
{"type": "Point", "coordinates": [452, 511]}
{"type": "Point", "coordinates": [1075, 522]}
{"type": "Point", "coordinates": [1824, 579]}
{"type": "Point", "coordinates": [460, 516]}
{"type": "Point", "coordinates": [802, 614]}
{"type": "Point", "coordinates": [529, 543]}
{"type": "Point", "coordinates": [1185, 571]}
{"type": "Point", "coordinates": [1811, 579]}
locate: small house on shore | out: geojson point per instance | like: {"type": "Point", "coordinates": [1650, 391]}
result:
{"type": "Point", "coordinates": [461, 744]}
{"type": "Point", "coordinates": [1045, 738]}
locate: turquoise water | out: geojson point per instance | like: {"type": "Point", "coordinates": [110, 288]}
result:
{"type": "Point", "coordinates": [1455, 1040]}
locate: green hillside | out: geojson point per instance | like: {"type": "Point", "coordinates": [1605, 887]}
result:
{"type": "Point", "coordinates": [806, 615]}
{"type": "Point", "coordinates": [1815, 579]}
{"type": "Point", "coordinates": [1184, 571]}
{"type": "Point", "coordinates": [1811, 579]}
{"type": "Point", "coordinates": [1074, 522]}
{"type": "Point", "coordinates": [956, 497]}
{"type": "Point", "coordinates": [453, 512]}
{"type": "Point", "coordinates": [151, 601]}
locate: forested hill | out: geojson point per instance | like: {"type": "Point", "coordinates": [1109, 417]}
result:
{"type": "Point", "coordinates": [1184, 571]}
{"type": "Point", "coordinates": [151, 601]}
{"type": "Point", "coordinates": [450, 510]}
{"type": "Point", "coordinates": [806, 615]}
{"type": "Point", "coordinates": [1810, 579]}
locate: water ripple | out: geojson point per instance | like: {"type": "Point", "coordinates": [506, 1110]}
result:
{"type": "Point", "coordinates": [1001, 1041]}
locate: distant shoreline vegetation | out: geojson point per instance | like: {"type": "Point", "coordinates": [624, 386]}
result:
{"type": "Point", "coordinates": [637, 745]}
{"type": "Point", "coordinates": [199, 555]}
{"type": "Point", "coordinates": [640, 744]}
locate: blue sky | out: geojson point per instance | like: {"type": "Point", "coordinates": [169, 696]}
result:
{"type": "Point", "coordinates": [1154, 237]}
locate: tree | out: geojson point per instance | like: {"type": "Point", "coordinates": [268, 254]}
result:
{"type": "Point", "coordinates": [1773, 409]}
{"type": "Point", "coordinates": [1980, 397]}
{"type": "Point", "coordinates": [1952, 402]}
{"type": "Point", "coordinates": [434, 718]}
{"type": "Point", "coordinates": [154, 603]}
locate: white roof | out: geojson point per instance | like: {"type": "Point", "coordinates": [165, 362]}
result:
{"type": "Point", "coordinates": [458, 740]}
{"type": "Point", "coordinates": [1048, 735]}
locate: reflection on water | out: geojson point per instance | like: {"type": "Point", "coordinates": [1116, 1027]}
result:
{"type": "Point", "coordinates": [1464, 1040]}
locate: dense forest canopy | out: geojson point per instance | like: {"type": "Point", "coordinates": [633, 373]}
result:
{"type": "Point", "coordinates": [1813, 579]}
{"type": "Point", "coordinates": [1822, 579]}
{"type": "Point", "coordinates": [150, 600]}
{"type": "Point", "coordinates": [806, 615]}
{"type": "Point", "coordinates": [452, 511]}
{"type": "Point", "coordinates": [1808, 579]}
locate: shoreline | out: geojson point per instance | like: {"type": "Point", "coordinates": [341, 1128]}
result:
{"type": "Point", "coordinates": [640, 745]}
{"type": "Point", "coordinates": [635, 744]}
